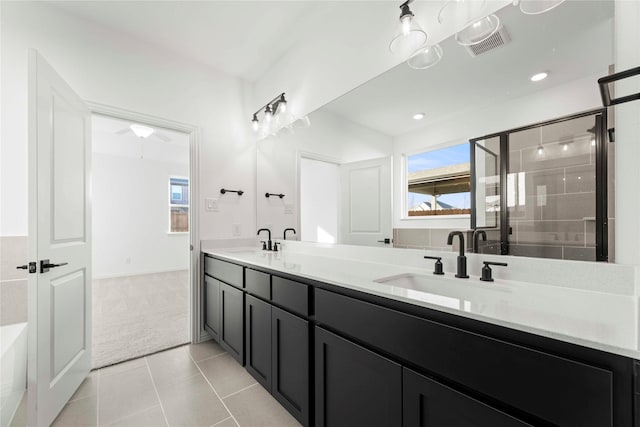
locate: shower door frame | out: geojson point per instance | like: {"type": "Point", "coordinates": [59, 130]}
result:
{"type": "Point", "coordinates": [601, 232]}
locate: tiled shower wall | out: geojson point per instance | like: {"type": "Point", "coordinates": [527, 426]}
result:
{"type": "Point", "coordinates": [13, 282]}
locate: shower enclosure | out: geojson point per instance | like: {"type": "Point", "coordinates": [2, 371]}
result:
{"type": "Point", "coordinates": [541, 191]}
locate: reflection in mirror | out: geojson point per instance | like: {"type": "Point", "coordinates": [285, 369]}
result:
{"type": "Point", "coordinates": [467, 95]}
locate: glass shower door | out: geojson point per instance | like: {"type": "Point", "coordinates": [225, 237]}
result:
{"type": "Point", "coordinates": [486, 193]}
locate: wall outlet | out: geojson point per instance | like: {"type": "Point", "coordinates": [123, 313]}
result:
{"type": "Point", "coordinates": [211, 205]}
{"type": "Point", "coordinates": [235, 230]}
{"type": "Point", "coordinates": [288, 209]}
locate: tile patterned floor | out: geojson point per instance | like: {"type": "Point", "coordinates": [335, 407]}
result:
{"type": "Point", "coordinates": [197, 385]}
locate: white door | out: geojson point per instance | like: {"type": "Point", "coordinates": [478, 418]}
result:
{"type": "Point", "coordinates": [366, 202]}
{"type": "Point", "coordinates": [60, 232]}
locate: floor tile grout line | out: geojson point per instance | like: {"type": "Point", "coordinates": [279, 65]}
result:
{"type": "Point", "coordinates": [208, 358]}
{"type": "Point", "coordinates": [214, 391]}
{"type": "Point", "coordinates": [220, 422]}
{"type": "Point", "coordinates": [166, 420]}
{"type": "Point", "coordinates": [240, 391]}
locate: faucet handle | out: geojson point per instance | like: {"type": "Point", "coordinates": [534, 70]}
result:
{"type": "Point", "coordinates": [275, 246]}
{"type": "Point", "coordinates": [486, 270]}
{"type": "Point", "coordinates": [264, 245]}
{"type": "Point", "coordinates": [438, 265]}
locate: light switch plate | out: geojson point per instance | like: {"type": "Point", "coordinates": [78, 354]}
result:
{"type": "Point", "coordinates": [211, 205]}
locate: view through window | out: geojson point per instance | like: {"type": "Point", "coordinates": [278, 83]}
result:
{"type": "Point", "coordinates": [438, 182]}
{"type": "Point", "coordinates": [179, 204]}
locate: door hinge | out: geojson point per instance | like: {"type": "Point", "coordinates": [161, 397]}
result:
{"type": "Point", "coordinates": [32, 267]}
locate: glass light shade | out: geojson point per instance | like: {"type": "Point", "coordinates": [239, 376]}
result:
{"type": "Point", "coordinates": [425, 57]}
{"type": "Point", "coordinates": [536, 7]}
{"type": "Point", "coordinates": [408, 38]}
{"type": "Point", "coordinates": [255, 124]}
{"type": "Point", "coordinates": [141, 131]}
{"type": "Point", "coordinates": [456, 13]}
{"type": "Point", "coordinates": [478, 31]}
{"type": "Point", "coordinates": [282, 106]}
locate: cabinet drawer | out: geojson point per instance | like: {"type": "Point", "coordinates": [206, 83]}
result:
{"type": "Point", "coordinates": [290, 295]}
{"type": "Point", "coordinates": [258, 283]}
{"type": "Point", "coordinates": [224, 271]}
{"type": "Point", "coordinates": [428, 403]}
{"type": "Point", "coordinates": [554, 389]}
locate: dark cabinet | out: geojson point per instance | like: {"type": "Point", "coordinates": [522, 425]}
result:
{"type": "Point", "coordinates": [212, 307]}
{"type": "Point", "coordinates": [258, 340]}
{"type": "Point", "coordinates": [354, 386]}
{"type": "Point", "coordinates": [232, 321]}
{"type": "Point", "coordinates": [290, 363]}
{"type": "Point", "coordinates": [427, 403]}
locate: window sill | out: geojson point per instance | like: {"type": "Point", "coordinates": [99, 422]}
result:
{"type": "Point", "coordinates": [435, 217]}
{"type": "Point", "coordinates": [177, 233]}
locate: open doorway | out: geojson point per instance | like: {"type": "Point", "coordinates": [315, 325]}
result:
{"type": "Point", "coordinates": [141, 242]}
{"type": "Point", "coordinates": [319, 198]}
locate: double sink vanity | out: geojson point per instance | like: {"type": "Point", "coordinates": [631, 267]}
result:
{"type": "Point", "coordinates": [353, 336]}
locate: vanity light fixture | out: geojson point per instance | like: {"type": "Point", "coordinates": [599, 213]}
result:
{"type": "Point", "coordinates": [409, 36]}
{"type": "Point", "coordinates": [141, 131]}
{"type": "Point", "coordinates": [593, 142]}
{"type": "Point", "coordinates": [539, 77]}
{"type": "Point", "coordinates": [275, 116]}
{"type": "Point", "coordinates": [418, 116]}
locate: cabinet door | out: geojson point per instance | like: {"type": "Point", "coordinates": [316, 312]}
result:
{"type": "Point", "coordinates": [258, 340]}
{"type": "Point", "coordinates": [212, 307]}
{"type": "Point", "coordinates": [290, 353]}
{"type": "Point", "coordinates": [354, 386]}
{"type": "Point", "coordinates": [428, 403]}
{"type": "Point", "coordinates": [231, 321]}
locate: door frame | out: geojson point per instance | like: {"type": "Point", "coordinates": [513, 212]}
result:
{"type": "Point", "coordinates": [196, 328]}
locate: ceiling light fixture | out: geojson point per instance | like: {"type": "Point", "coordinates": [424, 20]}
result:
{"type": "Point", "coordinates": [539, 77]}
{"type": "Point", "coordinates": [418, 116]}
{"type": "Point", "coordinates": [593, 142]}
{"type": "Point", "coordinates": [478, 30]}
{"type": "Point", "coordinates": [141, 131]}
{"type": "Point", "coordinates": [565, 146]}
{"type": "Point", "coordinates": [276, 115]}
{"type": "Point", "coordinates": [425, 57]}
{"type": "Point", "coordinates": [409, 36]}
{"type": "Point", "coordinates": [540, 150]}
{"type": "Point", "coordinates": [536, 7]}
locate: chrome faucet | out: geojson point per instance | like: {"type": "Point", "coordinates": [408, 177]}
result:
{"type": "Point", "coordinates": [288, 229]}
{"type": "Point", "coordinates": [269, 247]}
{"type": "Point", "coordinates": [476, 234]}
{"type": "Point", "coordinates": [462, 260]}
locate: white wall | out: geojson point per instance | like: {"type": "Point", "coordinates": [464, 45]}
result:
{"type": "Point", "coordinates": [329, 137]}
{"type": "Point", "coordinates": [563, 100]}
{"type": "Point", "coordinates": [111, 68]}
{"type": "Point", "coordinates": [131, 217]}
{"type": "Point", "coordinates": [319, 190]}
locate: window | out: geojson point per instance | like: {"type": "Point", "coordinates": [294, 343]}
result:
{"type": "Point", "coordinates": [178, 205]}
{"type": "Point", "coordinates": [438, 182]}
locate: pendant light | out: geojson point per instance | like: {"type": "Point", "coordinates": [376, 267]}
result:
{"type": "Point", "coordinates": [478, 31]}
{"type": "Point", "coordinates": [425, 57]}
{"type": "Point", "coordinates": [410, 36]}
{"type": "Point", "coordinates": [536, 7]}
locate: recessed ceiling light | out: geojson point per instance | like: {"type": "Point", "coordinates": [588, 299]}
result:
{"type": "Point", "coordinates": [538, 77]}
{"type": "Point", "coordinates": [418, 116]}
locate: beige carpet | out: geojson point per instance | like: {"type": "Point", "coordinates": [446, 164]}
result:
{"type": "Point", "coordinates": [137, 315]}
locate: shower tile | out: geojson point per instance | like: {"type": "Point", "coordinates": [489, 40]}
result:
{"type": "Point", "coordinates": [536, 251]}
{"type": "Point", "coordinates": [553, 157]}
{"type": "Point", "coordinates": [414, 237]}
{"type": "Point", "coordinates": [569, 206]}
{"type": "Point", "coordinates": [579, 254]}
{"type": "Point", "coordinates": [551, 180]}
{"type": "Point", "coordinates": [551, 232]}
{"type": "Point", "coordinates": [581, 179]}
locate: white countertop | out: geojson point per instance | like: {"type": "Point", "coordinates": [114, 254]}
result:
{"type": "Point", "coordinates": [597, 318]}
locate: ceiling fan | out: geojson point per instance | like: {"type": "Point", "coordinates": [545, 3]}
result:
{"type": "Point", "coordinates": [143, 132]}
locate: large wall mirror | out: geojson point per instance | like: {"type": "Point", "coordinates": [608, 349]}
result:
{"type": "Point", "coordinates": [368, 168]}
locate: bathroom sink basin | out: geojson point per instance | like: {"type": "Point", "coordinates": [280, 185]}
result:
{"type": "Point", "coordinates": [418, 282]}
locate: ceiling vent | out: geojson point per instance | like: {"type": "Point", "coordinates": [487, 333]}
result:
{"type": "Point", "coordinates": [497, 39]}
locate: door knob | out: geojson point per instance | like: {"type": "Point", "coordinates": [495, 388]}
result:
{"type": "Point", "coordinates": [385, 241]}
{"type": "Point", "coordinates": [45, 265]}
{"type": "Point", "coordinates": [31, 267]}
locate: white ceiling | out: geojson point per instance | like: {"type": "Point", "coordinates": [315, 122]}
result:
{"type": "Point", "coordinates": [572, 41]}
{"type": "Point", "coordinates": [240, 38]}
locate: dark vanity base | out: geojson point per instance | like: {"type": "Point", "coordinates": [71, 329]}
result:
{"type": "Point", "coordinates": [338, 357]}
